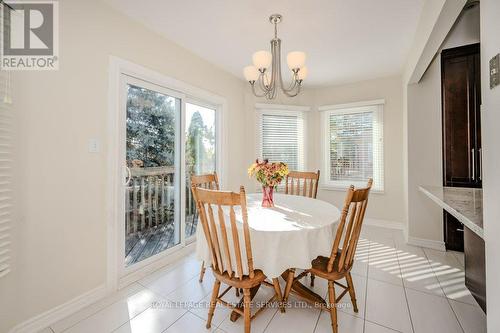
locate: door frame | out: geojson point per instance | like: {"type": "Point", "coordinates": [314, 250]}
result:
{"type": "Point", "coordinates": [116, 276]}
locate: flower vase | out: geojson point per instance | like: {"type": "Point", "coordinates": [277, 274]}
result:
{"type": "Point", "coordinates": [267, 196]}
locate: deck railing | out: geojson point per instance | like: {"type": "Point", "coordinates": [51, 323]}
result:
{"type": "Point", "coordinates": [149, 199]}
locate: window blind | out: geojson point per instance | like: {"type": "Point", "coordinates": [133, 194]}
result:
{"type": "Point", "coordinates": [282, 137]}
{"type": "Point", "coordinates": [5, 173]}
{"type": "Point", "coordinates": [354, 146]}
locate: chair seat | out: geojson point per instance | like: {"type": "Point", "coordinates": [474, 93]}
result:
{"type": "Point", "coordinates": [245, 282]}
{"type": "Point", "coordinates": [319, 267]}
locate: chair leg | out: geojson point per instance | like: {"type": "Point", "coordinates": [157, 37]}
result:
{"type": "Point", "coordinates": [246, 309]}
{"type": "Point", "coordinates": [352, 293]}
{"type": "Point", "coordinates": [213, 302]}
{"type": "Point", "coordinates": [332, 306]}
{"type": "Point", "coordinates": [312, 279]}
{"type": "Point", "coordinates": [277, 290]}
{"type": "Point", "coordinates": [202, 271]}
{"type": "Point", "coordinates": [237, 292]}
{"type": "Point", "coordinates": [289, 282]}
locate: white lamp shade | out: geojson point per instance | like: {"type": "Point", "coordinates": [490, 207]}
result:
{"type": "Point", "coordinates": [251, 73]}
{"type": "Point", "coordinates": [296, 60]}
{"type": "Point", "coordinates": [302, 74]}
{"type": "Point", "coordinates": [262, 59]}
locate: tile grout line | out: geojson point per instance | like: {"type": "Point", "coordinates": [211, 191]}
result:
{"type": "Point", "coordinates": [269, 323]}
{"type": "Point", "coordinates": [366, 286]}
{"type": "Point", "coordinates": [127, 295]}
{"type": "Point", "coordinates": [317, 321]}
{"type": "Point", "coordinates": [97, 311]}
{"type": "Point", "coordinates": [406, 297]}
{"type": "Point", "coordinates": [447, 299]}
{"type": "Point", "coordinates": [187, 311]}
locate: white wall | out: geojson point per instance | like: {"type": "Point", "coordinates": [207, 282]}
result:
{"type": "Point", "coordinates": [61, 226]}
{"type": "Point", "coordinates": [490, 46]}
{"type": "Point", "coordinates": [424, 130]}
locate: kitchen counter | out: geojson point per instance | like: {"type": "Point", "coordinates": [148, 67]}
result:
{"type": "Point", "coordinates": [465, 204]}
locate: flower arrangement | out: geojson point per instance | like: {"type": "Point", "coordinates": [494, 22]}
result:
{"type": "Point", "coordinates": [269, 175]}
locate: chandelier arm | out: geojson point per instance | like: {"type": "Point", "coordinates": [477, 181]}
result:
{"type": "Point", "coordinates": [262, 84]}
{"type": "Point", "coordinates": [290, 94]}
{"type": "Point", "coordinates": [282, 85]}
{"type": "Point", "coordinates": [255, 92]}
{"type": "Point", "coordinates": [294, 82]}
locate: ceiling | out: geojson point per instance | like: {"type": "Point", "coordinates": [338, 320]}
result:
{"type": "Point", "coordinates": [345, 40]}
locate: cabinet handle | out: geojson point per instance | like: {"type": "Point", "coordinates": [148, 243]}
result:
{"type": "Point", "coordinates": [473, 164]}
{"type": "Point", "coordinates": [480, 151]}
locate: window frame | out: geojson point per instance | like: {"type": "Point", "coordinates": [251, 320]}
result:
{"type": "Point", "coordinates": [350, 108]}
{"type": "Point", "coordinates": [285, 110]}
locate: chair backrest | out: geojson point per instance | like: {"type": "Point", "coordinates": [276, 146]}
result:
{"type": "Point", "coordinates": [216, 230]}
{"type": "Point", "coordinates": [309, 181]}
{"type": "Point", "coordinates": [209, 181]}
{"type": "Point", "coordinates": [349, 227]}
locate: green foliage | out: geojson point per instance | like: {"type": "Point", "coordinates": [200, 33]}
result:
{"type": "Point", "coordinates": [151, 127]}
{"type": "Point", "coordinates": [200, 144]}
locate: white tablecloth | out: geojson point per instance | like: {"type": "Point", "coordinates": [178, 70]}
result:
{"type": "Point", "coordinates": [291, 234]}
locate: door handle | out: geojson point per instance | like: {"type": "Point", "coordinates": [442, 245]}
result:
{"type": "Point", "coordinates": [480, 151]}
{"type": "Point", "coordinates": [473, 164]}
{"type": "Point", "coordinates": [129, 176]}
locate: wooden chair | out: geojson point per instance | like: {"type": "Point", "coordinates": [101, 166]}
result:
{"type": "Point", "coordinates": [293, 183]}
{"type": "Point", "coordinates": [208, 181]}
{"type": "Point", "coordinates": [341, 260]}
{"type": "Point", "coordinates": [228, 269]}
{"type": "Point", "coordinates": [308, 180]}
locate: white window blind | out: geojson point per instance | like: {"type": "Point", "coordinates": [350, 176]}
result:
{"type": "Point", "coordinates": [281, 137]}
{"type": "Point", "coordinates": [5, 173]}
{"type": "Point", "coordinates": [353, 147]}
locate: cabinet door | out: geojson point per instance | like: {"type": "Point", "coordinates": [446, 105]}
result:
{"type": "Point", "coordinates": [461, 120]}
{"type": "Point", "coordinates": [453, 233]}
{"type": "Point", "coordinates": [475, 267]}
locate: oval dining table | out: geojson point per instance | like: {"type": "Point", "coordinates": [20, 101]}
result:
{"type": "Point", "coordinates": [287, 236]}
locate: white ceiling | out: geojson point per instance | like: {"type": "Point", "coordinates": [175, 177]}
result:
{"type": "Point", "coordinates": [345, 40]}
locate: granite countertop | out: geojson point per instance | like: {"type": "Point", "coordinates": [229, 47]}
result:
{"type": "Point", "coordinates": [466, 204]}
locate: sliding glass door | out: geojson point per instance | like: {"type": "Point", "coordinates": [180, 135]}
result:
{"type": "Point", "coordinates": [152, 219]}
{"type": "Point", "coordinates": [167, 138]}
{"type": "Point", "coordinates": [201, 151]}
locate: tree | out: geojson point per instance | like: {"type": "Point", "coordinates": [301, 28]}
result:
{"type": "Point", "coordinates": [195, 147]}
{"type": "Point", "coordinates": [151, 127]}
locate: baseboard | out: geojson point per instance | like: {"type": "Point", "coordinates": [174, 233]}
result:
{"type": "Point", "coordinates": [427, 243]}
{"type": "Point", "coordinates": [59, 312]}
{"type": "Point", "coordinates": [384, 223]}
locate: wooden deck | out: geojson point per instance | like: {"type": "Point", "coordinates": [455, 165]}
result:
{"type": "Point", "coordinates": [142, 245]}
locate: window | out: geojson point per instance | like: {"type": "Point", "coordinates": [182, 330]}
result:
{"type": "Point", "coordinates": [281, 136]}
{"type": "Point", "coordinates": [353, 145]}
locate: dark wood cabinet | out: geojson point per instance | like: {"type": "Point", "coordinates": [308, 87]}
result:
{"type": "Point", "coordinates": [475, 267]}
{"type": "Point", "coordinates": [461, 101]}
{"type": "Point", "coordinates": [453, 232]}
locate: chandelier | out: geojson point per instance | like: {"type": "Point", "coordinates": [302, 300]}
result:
{"type": "Point", "coordinates": [265, 73]}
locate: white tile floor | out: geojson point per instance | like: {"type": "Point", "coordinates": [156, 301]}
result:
{"type": "Point", "coordinates": [399, 288]}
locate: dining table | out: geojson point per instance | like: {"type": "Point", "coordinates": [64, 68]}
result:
{"type": "Point", "coordinates": [287, 236]}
